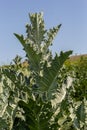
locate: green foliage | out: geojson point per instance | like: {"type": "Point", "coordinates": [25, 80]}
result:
{"type": "Point", "coordinates": [47, 83]}
{"type": "Point", "coordinates": [42, 65]}
{"type": "Point", "coordinates": [12, 81]}
{"type": "Point", "coordinates": [81, 79]}
{"type": "Point", "coordinates": [78, 92]}
{"type": "Point", "coordinates": [38, 115]}
{"type": "Point", "coordinates": [28, 93]}
{"type": "Point", "coordinates": [37, 86]}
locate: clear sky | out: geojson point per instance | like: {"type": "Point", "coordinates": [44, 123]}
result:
{"type": "Point", "coordinates": [72, 14]}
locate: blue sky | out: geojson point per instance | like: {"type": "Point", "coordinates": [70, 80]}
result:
{"type": "Point", "coordinates": [72, 14]}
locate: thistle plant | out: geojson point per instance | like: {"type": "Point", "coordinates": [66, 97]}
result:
{"type": "Point", "coordinates": [30, 95]}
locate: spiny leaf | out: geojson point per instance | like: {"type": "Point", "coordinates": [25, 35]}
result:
{"type": "Point", "coordinates": [38, 119]}
{"type": "Point", "coordinates": [81, 112]}
{"type": "Point", "coordinates": [50, 37]}
{"type": "Point", "coordinates": [48, 83]}
{"type": "Point", "coordinates": [34, 57]}
{"type": "Point", "coordinates": [36, 30]}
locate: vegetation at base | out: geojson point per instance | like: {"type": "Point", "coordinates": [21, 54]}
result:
{"type": "Point", "coordinates": [39, 96]}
